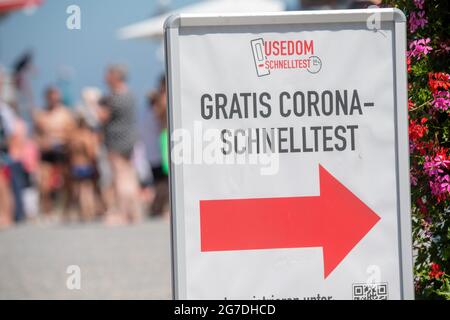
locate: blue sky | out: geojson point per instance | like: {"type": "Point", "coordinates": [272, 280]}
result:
{"type": "Point", "coordinates": [87, 51]}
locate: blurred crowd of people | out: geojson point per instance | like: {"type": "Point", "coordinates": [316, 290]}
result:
{"type": "Point", "coordinates": [81, 163]}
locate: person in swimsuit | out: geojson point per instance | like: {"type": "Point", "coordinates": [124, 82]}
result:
{"type": "Point", "coordinates": [83, 150]}
{"type": "Point", "coordinates": [53, 128]}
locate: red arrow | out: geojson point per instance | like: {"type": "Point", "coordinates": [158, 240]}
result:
{"type": "Point", "coordinates": [336, 221]}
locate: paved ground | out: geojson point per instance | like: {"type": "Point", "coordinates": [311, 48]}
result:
{"type": "Point", "coordinates": [123, 262]}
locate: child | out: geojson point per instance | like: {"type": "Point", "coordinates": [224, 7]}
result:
{"type": "Point", "coordinates": [83, 149]}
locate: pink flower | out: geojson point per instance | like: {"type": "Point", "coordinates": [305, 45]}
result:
{"type": "Point", "coordinates": [444, 46]}
{"type": "Point", "coordinates": [434, 166]}
{"type": "Point", "coordinates": [441, 161]}
{"type": "Point", "coordinates": [419, 3]}
{"type": "Point", "coordinates": [441, 100]}
{"type": "Point", "coordinates": [417, 21]}
{"type": "Point", "coordinates": [445, 183]}
{"type": "Point", "coordinates": [419, 48]}
{"type": "Point", "coordinates": [439, 181]}
{"type": "Point", "coordinates": [440, 186]}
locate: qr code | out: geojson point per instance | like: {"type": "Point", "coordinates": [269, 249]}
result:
{"type": "Point", "coordinates": [370, 291]}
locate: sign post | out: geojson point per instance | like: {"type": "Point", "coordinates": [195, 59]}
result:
{"type": "Point", "coordinates": [289, 155]}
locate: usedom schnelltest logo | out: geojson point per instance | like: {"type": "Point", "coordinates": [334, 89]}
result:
{"type": "Point", "coordinates": [276, 55]}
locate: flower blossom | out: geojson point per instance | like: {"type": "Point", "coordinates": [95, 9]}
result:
{"type": "Point", "coordinates": [419, 48]}
{"type": "Point", "coordinates": [436, 168]}
{"type": "Point", "coordinates": [441, 100]}
{"type": "Point", "coordinates": [419, 3]}
{"type": "Point", "coordinates": [438, 80]}
{"type": "Point", "coordinates": [436, 271]}
{"type": "Point", "coordinates": [417, 20]}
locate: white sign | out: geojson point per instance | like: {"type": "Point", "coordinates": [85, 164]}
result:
{"type": "Point", "coordinates": [289, 155]}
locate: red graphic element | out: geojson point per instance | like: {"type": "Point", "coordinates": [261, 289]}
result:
{"type": "Point", "coordinates": [336, 220]}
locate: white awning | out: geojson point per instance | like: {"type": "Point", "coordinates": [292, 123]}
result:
{"type": "Point", "coordinates": [153, 28]}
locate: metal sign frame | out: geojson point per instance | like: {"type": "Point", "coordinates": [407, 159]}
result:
{"type": "Point", "coordinates": [172, 28]}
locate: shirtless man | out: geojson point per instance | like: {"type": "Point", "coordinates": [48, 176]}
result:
{"type": "Point", "coordinates": [53, 128]}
